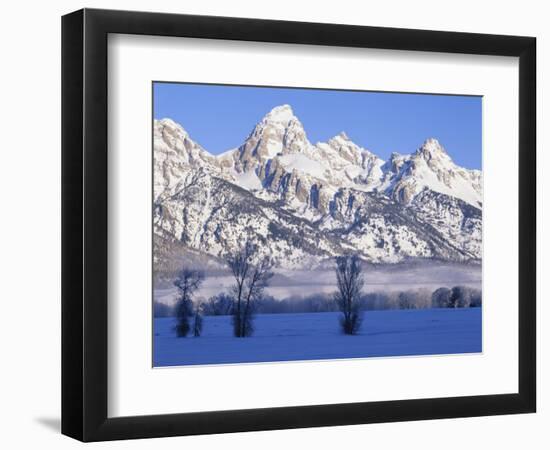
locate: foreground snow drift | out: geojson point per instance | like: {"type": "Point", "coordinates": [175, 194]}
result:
{"type": "Point", "coordinates": [291, 337]}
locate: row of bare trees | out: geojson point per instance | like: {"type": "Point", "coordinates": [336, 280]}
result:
{"type": "Point", "coordinates": [251, 274]}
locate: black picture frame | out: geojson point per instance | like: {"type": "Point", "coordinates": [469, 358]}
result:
{"type": "Point", "coordinates": [84, 224]}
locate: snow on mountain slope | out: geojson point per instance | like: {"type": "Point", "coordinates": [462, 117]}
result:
{"type": "Point", "coordinates": [301, 163]}
{"type": "Point", "coordinates": [175, 153]}
{"type": "Point", "coordinates": [215, 216]}
{"type": "Point", "coordinates": [248, 180]}
{"type": "Point", "coordinates": [431, 167]}
{"type": "Point", "coordinates": [458, 221]}
{"type": "Point", "coordinates": [309, 202]}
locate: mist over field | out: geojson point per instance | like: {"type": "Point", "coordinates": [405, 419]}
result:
{"type": "Point", "coordinates": [378, 278]}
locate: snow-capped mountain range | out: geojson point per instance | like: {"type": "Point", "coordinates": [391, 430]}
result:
{"type": "Point", "coordinates": [304, 203]}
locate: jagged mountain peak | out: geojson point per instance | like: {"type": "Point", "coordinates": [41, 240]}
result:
{"type": "Point", "coordinates": [340, 140]}
{"type": "Point", "coordinates": [433, 144]}
{"type": "Point", "coordinates": [431, 148]}
{"type": "Point", "coordinates": [395, 162]}
{"type": "Point", "coordinates": [278, 133]}
{"type": "Point", "coordinates": [394, 156]}
{"type": "Point", "coordinates": [175, 153]}
{"type": "Point", "coordinates": [170, 127]}
{"type": "Point", "coordinates": [342, 135]}
{"type": "Point", "coordinates": [431, 167]}
{"type": "Point", "coordinates": [280, 114]}
{"type": "Point", "coordinates": [166, 121]}
{"type": "Point", "coordinates": [345, 148]}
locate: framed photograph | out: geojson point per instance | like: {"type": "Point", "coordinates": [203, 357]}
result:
{"type": "Point", "coordinates": [273, 224]}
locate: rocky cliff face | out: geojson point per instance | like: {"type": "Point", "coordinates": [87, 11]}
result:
{"type": "Point", "coordinates": [306, 203]}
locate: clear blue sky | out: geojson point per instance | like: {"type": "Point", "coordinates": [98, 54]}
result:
{"type": "Point", "coordinates": [221, 117]}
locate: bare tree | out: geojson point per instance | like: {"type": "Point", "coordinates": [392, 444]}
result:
{"type": "Point", "coordinates": [251, 274]}
{"type": "Point", "coordinates": [239, 263]}
{"type": "Point", "coordinates": [349, 279]}
{"type": "Point", "coordinates": [188, 282]}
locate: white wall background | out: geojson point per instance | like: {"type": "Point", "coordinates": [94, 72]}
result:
{"type": "Point", "coordinates": [30, 227]}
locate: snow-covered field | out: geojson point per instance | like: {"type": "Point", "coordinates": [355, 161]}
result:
{"type": "Point", "coordinates": [314, 336]}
